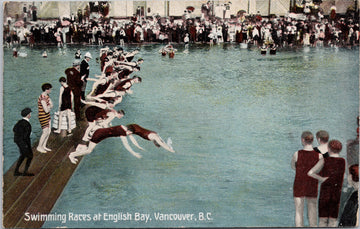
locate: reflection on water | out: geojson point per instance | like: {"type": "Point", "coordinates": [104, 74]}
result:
{"type": "Point", "coordinates": [235, 119]}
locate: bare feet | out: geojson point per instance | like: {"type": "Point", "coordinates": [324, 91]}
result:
{"type": "Point", "coordinates": [41, 150]}
{"type": "Point", "coordinates": [73, 159]}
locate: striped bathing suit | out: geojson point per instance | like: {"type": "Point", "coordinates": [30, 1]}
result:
{"type": "Point", "coordinates": [44, 118]}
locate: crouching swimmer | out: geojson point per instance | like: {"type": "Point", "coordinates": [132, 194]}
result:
{"type": "Point", "coordinates": [99, 118]}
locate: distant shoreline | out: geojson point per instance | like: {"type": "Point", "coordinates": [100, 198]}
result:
{"type": "Point", "coordinates": [250, 46]}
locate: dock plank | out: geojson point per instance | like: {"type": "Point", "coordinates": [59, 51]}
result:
{"type": "Point", "coordinates": [9, 177]}
{"type": "Point", "coordinates": [52, 190]}
{"type": "Point", "coordinates": [39, 193]}
{"type": "Point", "coordinates": [20, 184]}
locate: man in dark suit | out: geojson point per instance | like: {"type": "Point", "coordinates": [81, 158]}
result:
{"type": "Point", "coordinates": [75, 83]}
{"type": "Point", "coordinates": [84, 72]}
{"type": "Point", "coordinates": [22, 131]}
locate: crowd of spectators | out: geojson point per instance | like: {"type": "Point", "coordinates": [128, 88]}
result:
{"type": "Point", "coordinates": [95, 29]}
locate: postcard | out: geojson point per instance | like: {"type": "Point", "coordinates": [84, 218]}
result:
{"type": "Point", "coordinates": [195, 114]}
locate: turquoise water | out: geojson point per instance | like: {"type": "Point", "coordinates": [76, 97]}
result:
{"type": "Point", "coordinates": [235, 118]}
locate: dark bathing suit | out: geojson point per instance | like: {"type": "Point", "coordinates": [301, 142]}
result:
{"type": "Point", "coordinates": [103, 133]}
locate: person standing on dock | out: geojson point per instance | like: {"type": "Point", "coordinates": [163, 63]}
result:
{"type": "Point", "coordinates": [44, 106]}
{"type": "Point", "coordinates": [84, 72]}
{"type": "Point", "coordinates": [322, 138]}
{"type": "Point", "coordinates": [305, 188]}
{"type": "Point", "coordinates": [330, 172]}
{"type": "Point", "coordinates": [66, 99]}
{"type": "Point", "coordinates": [75, 83]}
{"type": "Point", "coordinates": [22, 131]}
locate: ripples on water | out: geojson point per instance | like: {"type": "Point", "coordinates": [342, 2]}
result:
{"type": "Point", "coordinates": [234, 116]}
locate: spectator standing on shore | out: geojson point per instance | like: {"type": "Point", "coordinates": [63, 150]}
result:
{"type": "Point", "coordinates": [339, 32]}
{"type": "Point", "coordinates": [44, 106]}
{"type": "Point", "coordinates": [75, 83]}
{"type": "Point", "coordinates": [122, 36]}
{"type": "Point", "coordinates": [84, 72]}
{"type": "Point", "coordinates": [80, 16]}
{"type": "Point", "coordinates": [305, 187]}
{"type": "Point", "coordinates": [333, 12]}
{"type": "Point", "coordinates": [22, 132]}
{"type": "Point", "coordinates": [331, 175]}
{"type": "Point", "coordinates": [58, 36]}
{"type": "Point", "coordinates": [34, 13]}
{"type": "Point", "coordinates": [186, 41]}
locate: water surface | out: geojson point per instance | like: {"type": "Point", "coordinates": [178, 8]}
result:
{"type": "Point", "coordinates": [235, 118]}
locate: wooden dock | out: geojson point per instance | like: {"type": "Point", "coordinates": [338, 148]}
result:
{"type": "Point", "coordinates": [39, 193]}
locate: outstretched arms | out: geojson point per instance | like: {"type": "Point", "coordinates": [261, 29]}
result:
{"type": "Point", "coordinates": [158, 140]}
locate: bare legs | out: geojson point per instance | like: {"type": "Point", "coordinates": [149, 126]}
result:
{"type": "Point", "coordinates": [88, 130]}
{"type": "Point", "coordinates": [327, 222]}
{"type": "Point", "coordinates": [299, 211]}
{"type": "Point", "coordinates": [83, 150]}
{"type": "Point", "coordinates": [80, 151]}
{"type": "Point", "coordinates": [43, 140]}
{"type": "Point", "coordinates": [312, 211]}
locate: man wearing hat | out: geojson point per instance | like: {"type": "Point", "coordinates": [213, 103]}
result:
{"type": "Point", "coordinates": [75, 83]}
{"type": "Point", "coordinates": [22, 131]}
{"type": "Point", "coordinates": [84, 72]}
